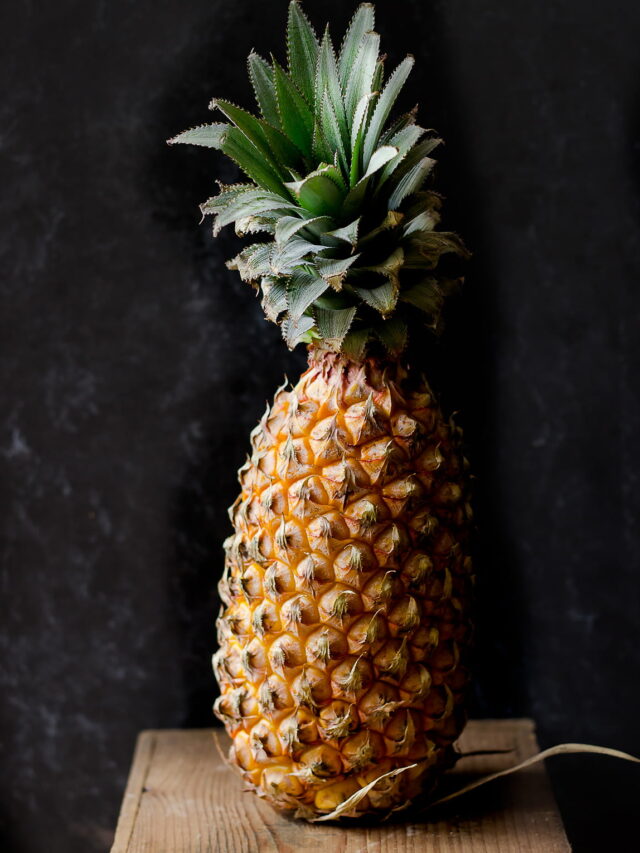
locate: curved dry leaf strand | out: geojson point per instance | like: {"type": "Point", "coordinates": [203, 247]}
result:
{"type": "Point", "coordinates": [561, 749]}
{"type": "Point", "coordinates": [222, 755]}
{"type": "Point", "coordinates": [351, 802]}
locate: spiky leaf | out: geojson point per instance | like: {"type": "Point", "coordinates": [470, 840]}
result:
{"type": "Point", "coordinates": [274, 297]}
{"type": "Point", "coordinates": [410, 182]}
{"type": "Point", "coordinates": [287, 257]}
{"type": "Point", "coordinates": [328, 82]}
{"type": "Point", "coordinates": [302, 50]}
{"type": "Point", "coordinates": [347, 234]}
{"type": "Point", "coordinates": [303, 288]}
{"type": "Point", "coordinates": [249, 202]}
{"type": "Point", "coordinates": [317, 193]}
{"type": "Point", "coordinates": [354, 344]}
{"type": "Point", "coordinates": [333, 324]}
{"type": "Point", "coordinates": [262, 80]}
{"type": "Point", "coordinates": [331, 129]}
{"type": "Point", "coordinates": [384, 105]}
{"type": "Point", "coordinates": [289, 225]}
{"type": "Point", "coordinates": [383, 298]}
{"type": "Point", "coordinates": [338, 189]}
{"type": "Point", "coordinates": [361, 76]}
{"type": "Point", "coordinates": [248, 157]}
{"type": "Point", "coordinates": [362, 22]}
{"type": "Point", "coordinates": [297, 331]}
{"type": "Point", "coordinates": [404, 140]}
{"type": "Point", "coordinates": [393, 334]}
{"type": "Point", "coordinates": [295, 113]}
{"type": "Point", "coordinates": [357, 136]}
{"type": "Point", "coordinates": [207, 135]}
{"type": "Point", "coordinates": [276, 150]}
{"type": "Point", "coordinates": [355, 197]}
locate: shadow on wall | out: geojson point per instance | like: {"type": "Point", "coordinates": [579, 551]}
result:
{"type": "Point", "coordinates": [463, 368]}
{"type": "Point", "coordinates": [245, 357]}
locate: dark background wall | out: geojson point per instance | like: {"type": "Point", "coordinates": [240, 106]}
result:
{"type": "Point", "coordinates": [133, 365]}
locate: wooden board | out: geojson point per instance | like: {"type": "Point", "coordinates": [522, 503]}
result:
{"type": "Point", "coordinates": [182, 798]}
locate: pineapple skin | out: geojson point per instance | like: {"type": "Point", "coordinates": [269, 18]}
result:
{"type": "Point", "coordinates": [345, 625]}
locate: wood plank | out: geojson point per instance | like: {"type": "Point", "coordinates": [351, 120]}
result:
{"type": "Point", "coordinates": [182, 798]}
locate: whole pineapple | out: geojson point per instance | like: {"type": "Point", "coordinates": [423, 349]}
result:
{"type": "Point", "coordinates": [345, 625]}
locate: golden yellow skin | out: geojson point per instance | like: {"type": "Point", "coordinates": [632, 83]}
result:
{"type": "Point", "coordinates": [346, 592]}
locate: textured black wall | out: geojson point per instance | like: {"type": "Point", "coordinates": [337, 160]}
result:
{"type": "Point", "coordinates": [133, 365]}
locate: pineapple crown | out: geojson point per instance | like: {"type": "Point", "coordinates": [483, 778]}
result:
{"type": "Point", "coordinates": [348, 254]}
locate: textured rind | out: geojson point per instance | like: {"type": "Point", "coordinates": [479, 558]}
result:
{"type": "Point", "coordinates": [345, 625]}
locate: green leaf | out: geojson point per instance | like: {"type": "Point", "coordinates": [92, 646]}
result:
{"type": "Point", "coordinates": [357, 136]}
{"type": "Point", "coordinates": [302, 50]}
{"type": "Point", "coordinates": [207, 135]}
{"type": "Point", "coordinates": [414, 154]}
{"type": "Point", "coordinates": [278, 150]}
{"type": "Point", "coordinates": [333, 172]}
{"type": "Point", "coordinates": [333, 324]}
{"type": "Point", "coordinates": [355, 197]}
{"type": "Point", "coordinates": [298, 331]}
{"type": "Point", "coordinates": [379, 158]}
{"type": "Point", "coordinates": [393, 334]}
{"type": "Point", "coordinates": [383, 298]}
{"type": "Point", "coordinates": [255, 131]}
{"type": "Point", "coordinates": [261, 75]}
{"type": "Point", "coordinates": [317, 193]}
{"type": "Point", "coordinates": [410, 182]}
{"type": "Point", "coordinates": [320, 148]}
{"type": "Point", "coordinates": [392, 219]}
{"type": "Point", "coordinates": [346, 234]}
{"type": "Point", "coordinates": [404, 141]}
{"type": "Point", "coordinates": [399, 124]}
{"type": "Point", "coordinates": [429, 296]}
{"type": "Point", "coordinates": [385, 103]}
{"type": "Point", "coordinates": [334, 270]}
{"type": "Point", "coordinates": [361, 76]}
{"type": "Point", "coordinates": [355, 344]}
{"type": "Point", "coordinates": [425, 248]}
{"type": "Point", "coordinates": [328, 81]}
{"type": "Point", "coordinates": [378, 75]}
{"type": "Point", "coordinates": [331, 130]}
{"type": "Point", "coordinates": [389, 268]}
{"type": "Point", "coordinates": [252, 262]}
{"type": "Point", "coordinates": [289, 255]}
{"type": "Point", "coordinates": [284, 151]}
{"type": "Point", "coordinates": [227, 194]}
{"type": "Point", "coordinates": [425, 221]}
{"type": "Point", "coordinates": [248, 157]}
{"type": "Point", "coordinates": [274, 297]}
{"type": "Point", "coordinates": [281, 153]}
{"type": "Point", "coordinates": [254, 224]}
{"type": "Point", "coordinates": [290, 225]}
{"type": "Point", "coordinates": [250, 202]}
{"type": "Point", "coordinates": [295, 113]}
{"type": "Point", "coordinates": [303, 288]}
{"type": "Point", "coordinates": [362, 22]}
{"type": "Point", "coordinates": [426, 296]}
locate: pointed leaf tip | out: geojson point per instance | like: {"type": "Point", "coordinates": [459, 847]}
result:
{"type": "Point", "coordinates": [206, 135]}
{"type": "Point", "coordinates": [302, 50]}
{"type": "Point", "coordinates": [385, 104]}
{"type": "Point", "coordinates": [362, 23]}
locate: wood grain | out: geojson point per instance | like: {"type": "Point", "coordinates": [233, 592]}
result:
{"type": "Point", "coordinates": [182, 798]}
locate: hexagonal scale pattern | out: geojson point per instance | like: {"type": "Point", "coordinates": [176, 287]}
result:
{"type": "Point", "coordinates": [345, 626]}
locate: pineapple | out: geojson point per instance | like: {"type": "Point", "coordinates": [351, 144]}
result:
{"type": "Point", "coordinates": [345, 622]}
